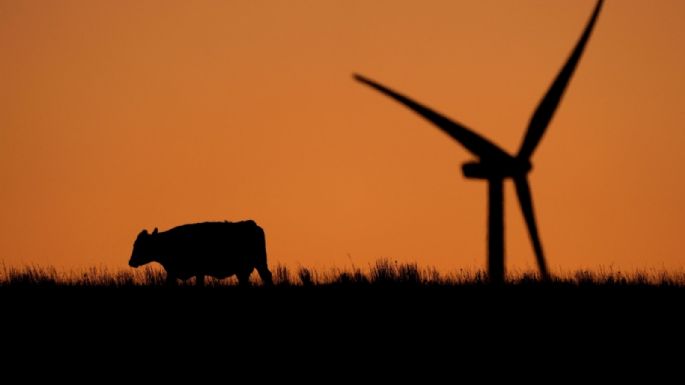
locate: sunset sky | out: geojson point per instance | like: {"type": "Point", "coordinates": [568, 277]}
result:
{"type": "Point", "coordinates": [118, 116]}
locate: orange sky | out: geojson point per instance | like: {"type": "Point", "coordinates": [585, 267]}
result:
{"type": "Point", "coordinates": [121, 115]}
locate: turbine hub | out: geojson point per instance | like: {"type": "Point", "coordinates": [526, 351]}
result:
{"type": "Point", "coordinates": [496, 170]}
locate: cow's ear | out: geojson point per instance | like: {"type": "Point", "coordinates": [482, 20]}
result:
{"type": "Point", "coordinates": [154, 232]}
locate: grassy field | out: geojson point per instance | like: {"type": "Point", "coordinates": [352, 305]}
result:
{"type": "Point", "coordinates": [388, 307]}
{"type": "Point", "coordinates": [383, 273]}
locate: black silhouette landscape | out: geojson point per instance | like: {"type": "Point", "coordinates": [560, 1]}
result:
{"type": "Point", "coordinates": [407, 298]}
{"type": "Point", "coordinates": [387, 308]}
{"type": "Point", "coordinates": [205, 288]}
{"type": "Point", "coordinates": [383, 273]}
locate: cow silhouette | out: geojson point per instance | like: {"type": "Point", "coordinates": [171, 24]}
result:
{"type": "Point", "coordinates": [217, 249]}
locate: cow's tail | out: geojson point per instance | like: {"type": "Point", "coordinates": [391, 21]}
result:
{"type": "Point", "coordinates": [262, 267]}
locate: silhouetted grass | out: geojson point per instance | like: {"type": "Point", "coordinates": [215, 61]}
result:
{"type": "Point", "coordinates": [382, 273]}
{"type": "Point", "coordinates": [386, 302]}
{"type": "Point", "coordinates": [49, 276]}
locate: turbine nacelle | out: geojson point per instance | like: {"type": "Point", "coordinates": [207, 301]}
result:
{"type": "Point", "coordinates": [499, 170]}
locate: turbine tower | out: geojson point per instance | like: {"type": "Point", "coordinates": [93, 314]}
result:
{"type": "Point", "coordinates": [494, 164]}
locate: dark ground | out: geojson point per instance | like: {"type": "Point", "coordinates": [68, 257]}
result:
{"type": "Point", "coordinates": [390, 307]}
{"type": "Point", "coordinates": [433, 332]}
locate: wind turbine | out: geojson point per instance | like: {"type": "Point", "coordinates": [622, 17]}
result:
{"type": "Point", "coordinates": [494, 164]}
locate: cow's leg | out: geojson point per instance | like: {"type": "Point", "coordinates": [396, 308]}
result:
{"type": "Point", "coordinates": [170, 279]}
{"type": "Point", "coordinates": [243, 280]}
{"type": "Point", "coordinates": [200, 280]}
{"type": "Point", "coordinates": [265, 275]}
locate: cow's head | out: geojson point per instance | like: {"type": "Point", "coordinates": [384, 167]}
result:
{"type": "Point", "coordinates": [143, 249]}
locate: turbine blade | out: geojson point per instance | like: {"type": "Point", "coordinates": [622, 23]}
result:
{"type": "Point", "coordinates": [526, 202]}
{"type": "Point", "coordinates": [545, 110]}
{"type": "Point", "coordinates": [473, 142]}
